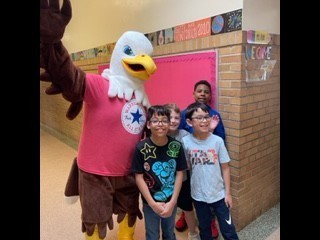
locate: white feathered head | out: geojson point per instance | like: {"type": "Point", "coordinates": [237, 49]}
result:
{"type": "Point", "coordinates": [130, 65]}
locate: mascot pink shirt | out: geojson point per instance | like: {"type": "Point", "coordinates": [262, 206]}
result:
{"type": "Point", "coordinates": [114, 105]}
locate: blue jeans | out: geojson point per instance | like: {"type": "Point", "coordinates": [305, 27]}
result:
{"type": "Point", "coordinates": [153, 221]}
{"type": "Point", "coordinates": [204, 213]}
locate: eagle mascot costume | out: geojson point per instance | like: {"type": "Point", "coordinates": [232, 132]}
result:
{"type": "Point", "coordinates": [114, 105]}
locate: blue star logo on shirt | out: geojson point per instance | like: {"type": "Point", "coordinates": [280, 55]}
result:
{"type": "Point", "coordinates": [136, 116]}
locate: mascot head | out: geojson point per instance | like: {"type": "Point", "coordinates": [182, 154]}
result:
{"type": "Point", "coordinates": [132, 51]}
{"type": "Point", "coordinates": [130, 65]}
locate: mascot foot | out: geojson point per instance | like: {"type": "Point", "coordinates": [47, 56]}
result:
{"type": "Point", "coordinates": [94, 236]}
{"type": "Point", "coordinates": [125, 232]}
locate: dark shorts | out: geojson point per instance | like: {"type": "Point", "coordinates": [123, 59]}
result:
{"type": "Point", "coordinates": [184, 200]}
{"type": "Point", "coordinates": [103, 196]}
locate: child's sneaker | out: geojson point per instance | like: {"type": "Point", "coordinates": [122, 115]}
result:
{"type": "Point", "coordinates": [181, 224]}
{"type": "Point", "coordinates": [194, 236]}
{"type": "Point", "coordinates": [214, 229]}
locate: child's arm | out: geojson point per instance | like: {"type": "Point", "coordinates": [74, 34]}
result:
{"type": "Point", "coordinates": [169, 206]}
{"type": "Point", "coordinates": [158, 207]}
{"type": "Point", "coordinates": [226, 177]}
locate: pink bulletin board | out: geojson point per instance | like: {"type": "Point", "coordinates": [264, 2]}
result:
{"type": "Point", "coordinates": [176, 75]}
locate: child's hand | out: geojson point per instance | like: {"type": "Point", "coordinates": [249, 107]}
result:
{"type": "Point", "coordinates": [158, 208]}
{"type": "Point", "coordinates": [168, 209]}
{"type": "Point", "coordinates": [214, 122]}
{"type": "Point", "coordinates": [228, 201]}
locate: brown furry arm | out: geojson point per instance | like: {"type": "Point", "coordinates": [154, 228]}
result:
{"type": "Point", "coordinates": [64, 76]}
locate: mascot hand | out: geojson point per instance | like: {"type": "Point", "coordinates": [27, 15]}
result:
{"type": "Point", "coordinates": [74, 108]}
{"type": "Point", "coordinates": [53, 88]}
{"type": "Point", "coordinates": [64, 76]}
{"type": "Point", "coordinates": [53, 21]}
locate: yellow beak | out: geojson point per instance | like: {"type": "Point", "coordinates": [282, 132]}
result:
{"type": "Point", "coordinates": [141, 66]}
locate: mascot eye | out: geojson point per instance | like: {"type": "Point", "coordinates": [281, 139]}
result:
{"type": "Point", "coordinates": [128, 50]}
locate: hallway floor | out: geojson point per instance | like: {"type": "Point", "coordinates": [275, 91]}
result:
{"type": "Point", "coordinates": [59, 220]}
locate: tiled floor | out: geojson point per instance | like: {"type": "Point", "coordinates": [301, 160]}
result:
{"type": "Point", "coordinates": [59, 220]}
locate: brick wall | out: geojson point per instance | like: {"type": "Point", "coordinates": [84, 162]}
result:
{"type": "Point", "coordinates": [250, 112]}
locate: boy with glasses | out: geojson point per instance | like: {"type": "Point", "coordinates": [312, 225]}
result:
{"type": "Point", "coordinates": [158, 165]}
{"type": "Point", "coordinates": [201, 93]}
{"type": "Point", "coordinates": [208, 159]}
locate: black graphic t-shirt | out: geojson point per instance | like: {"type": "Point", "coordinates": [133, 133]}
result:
{"type": "Point", "coordinates": [159, 165]}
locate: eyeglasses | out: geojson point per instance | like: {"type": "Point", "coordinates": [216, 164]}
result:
{"type": "Point", "coordinates": [201, 118]}
{"type": "Point", "coordinates": [157, 121]}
